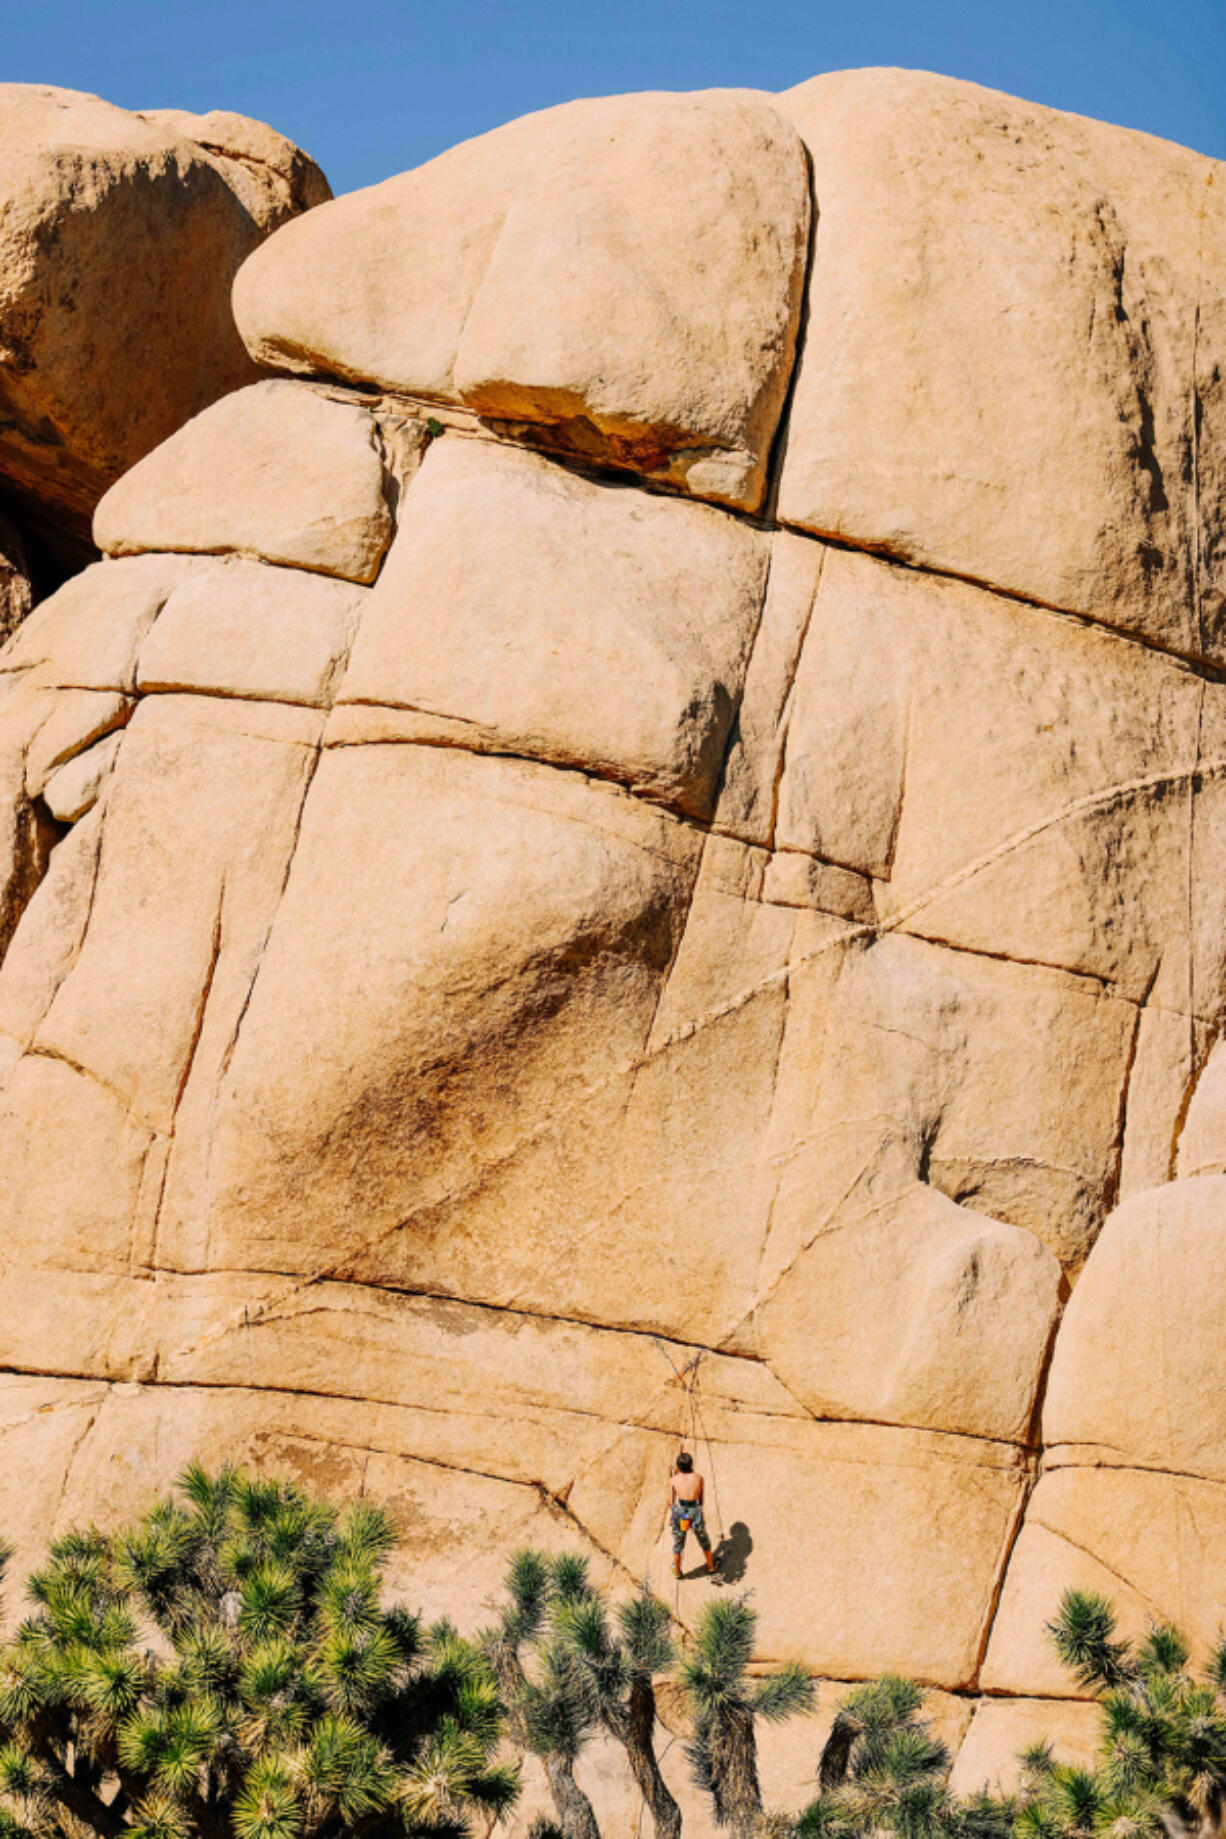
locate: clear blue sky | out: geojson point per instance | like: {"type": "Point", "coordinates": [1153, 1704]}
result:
{"type": "Point", "coordinates": [374, 86]}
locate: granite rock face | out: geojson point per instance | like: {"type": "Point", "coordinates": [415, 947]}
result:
{"type": "Point", "coordinates": [120, 235]}
{"type": "Point", "coordinates": [636, 851]}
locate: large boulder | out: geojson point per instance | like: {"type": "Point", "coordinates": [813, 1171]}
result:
{"type": "Point", "coordinates": [120, 235]}
{"type": "Point", "coordinates": [1015, 353]}
{"type": "Point", "coordinates": [621, 277]}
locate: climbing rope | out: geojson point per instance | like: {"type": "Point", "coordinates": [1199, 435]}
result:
{"type": "Point", "coordinates": [698, 1417]}
{"type": "Point", "coordinates": [688, 1378]}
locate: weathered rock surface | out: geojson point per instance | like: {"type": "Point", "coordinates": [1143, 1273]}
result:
{"type": "Point", "coordinates": [1014, 355]}
{"type": "Point", "coordinates": [646, 611]}
{"type": "Point", "coordinates": [508, 968]}
{"type": "Point", "coordinates": [276, 472]}
{"type": "Point", "coordinates": [667, 353]}
{"type": "Point", "coordinates": [1001, 1729]}
{"type": "Point", "coordinates": [119, 237]}
{"type": "Point", "coordinates": [275, 179]}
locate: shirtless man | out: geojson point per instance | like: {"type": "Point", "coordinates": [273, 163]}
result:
{"type": "Point", "coordinates": [685, 1515]}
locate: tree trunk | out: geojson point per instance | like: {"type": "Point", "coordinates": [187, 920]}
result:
{"type": "Point", "coordinates": [636, 1734]}
{"type": "Point", "coordinates": [736, 1754]}
{"type": "Point", "coordinates": [574, 1810]}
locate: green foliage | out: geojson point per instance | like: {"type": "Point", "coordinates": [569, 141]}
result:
{"type": "Point", "coordinates": [567, 1668]}
{"type": "Point", "coordinates": [1082, 1634]}
{"type": "Point", "coordinates": [725, 1703]}
{"type": "Point", "coordinates": [646, 1634]}
{"type": "Point", "coordinates": [883, 1770]}
{"type": "Point", "coordinates": [227, 1666]}
{"type": "Point", "coordinates": [1161, 1765]}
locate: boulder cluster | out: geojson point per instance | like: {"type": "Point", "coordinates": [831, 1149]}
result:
{"type": "Point", "coordinates": [629, 842]}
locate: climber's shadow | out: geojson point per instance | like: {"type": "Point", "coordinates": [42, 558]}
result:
{"type": "Point", "coordinates": [732, 1552]}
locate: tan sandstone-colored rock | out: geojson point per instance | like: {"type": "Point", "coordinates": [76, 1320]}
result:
{"type": "Point", "coordinates": [274, 178]}
{"type": "Point", "coordinates": [645, 610]}
{"type": "Point", "coordinates": [1132, 1501]}
{"type": "Point", "coordinates": [536, 275]}
{"type": "Point", "coordinates": [935, 1510]}
{"type": "Point", "coordinates": [274, 471]}
{"type": "Point", "coordinates": [41, 957]}
{"type": "Point", "coordinates": [120, 239]}
{"type": "Point", "coordinates": [518, 871]}
{"type": "Point", "coordinates": [1001, 774]}
{"type": "Point", "coordinates": [1152, 1544]}
{"type": "Point", "coordinates": [88, 635]}
{"type": "Point", "coordinates": [76, 720]}
{"type": "Point", "coordinates": [1154, 1280]}
{"type": "Point", "coordinates": [959, 1321]}
{"type": "Point", "coordinates": [132, 1025]}
{"type": "Point", "coordinates": [1001, 1729]}
{"type": "Point", "coordinates": [1201, 1146]}
{"type": "Point", "coordinates": [1005, 347]}
{"type": "Point", "coordinates": [238, 628]}
{"type": "Point", "coordinates": [75, 788]}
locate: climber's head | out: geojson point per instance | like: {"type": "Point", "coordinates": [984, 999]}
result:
{"type": "Point", "coordinates": [685, 1462]}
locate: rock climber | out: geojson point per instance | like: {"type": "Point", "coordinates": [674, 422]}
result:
{"type": "Point", "coordinates": [685, 1497]}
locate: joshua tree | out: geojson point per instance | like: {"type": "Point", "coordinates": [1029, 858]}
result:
{"type": "Point", "coordinates": [548, 1714]}
{"type": "Point", "coordinates": [883, 1771]}
{"type": "Point", "coordinates": [1162, 1760]}
{"type": "Point", "coordinates": [725, 1704]}
{"type": "Point", "coordinates": [227, 1667]}
{"type": "Point", "coordinates": [614, 1673]}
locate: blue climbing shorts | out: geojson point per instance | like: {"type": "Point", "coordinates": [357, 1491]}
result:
{"type": "Point", "coordinates": [687, 1517]}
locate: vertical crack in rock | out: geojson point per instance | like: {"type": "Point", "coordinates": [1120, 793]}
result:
{"type": "Point", "coordinates": [95, 864]}
{"type": "Point", "coordinates": [683, 921]}
{"type": "Point", "coordinates": [1111, 1187]}
{"type": "Point", "coordinates": [92, 1416]}
{"type": "Point", "coordinates": [1032, 1464]}
{"type": "Point", "coordinates": [1195, 408]}
{"type": "Point", "coordinates": [775, 1175]}
{"type": "Point", "coordinates": [1198, 772]}
{"type": "Point", "coordinates": [900, 801]}
{"type": "Point", "coordinates": [779, 442]}
{"type": "Point", "coordinates": [231, 1045]}
{"type": "Point", "coordinates": [189, 1061]}
{"type": "Point", "coordinates": [206, 988]}
{"type": "Point", "coordinates": [789, 699]}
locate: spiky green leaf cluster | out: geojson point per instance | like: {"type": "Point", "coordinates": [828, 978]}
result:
{"type": "Point", "coordinates": [568, 1665]}
{"type": "Point", "coordinates": [226, 1666]}
{"type": "Point", "coordinates": [883, 1771]}
{"type": "Point", "coordinates": [1161, 1764]}
{"type": "Point", "coordinates": [725, 1702]}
